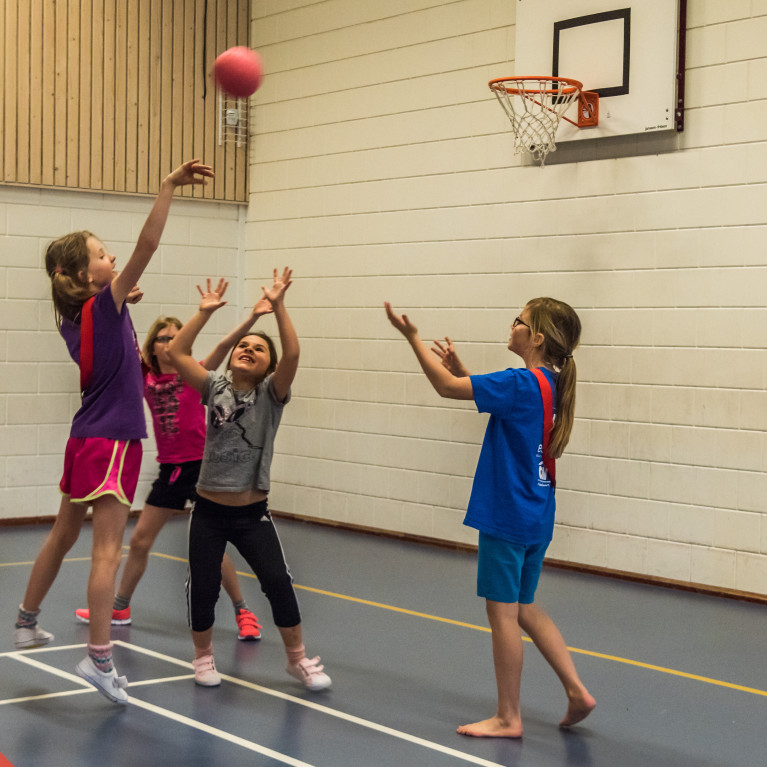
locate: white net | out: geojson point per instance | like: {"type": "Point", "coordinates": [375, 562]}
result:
{"type": "Point", "coordinates": [232, 119]}
{"type": "Point", "coordinates": [534, 106]}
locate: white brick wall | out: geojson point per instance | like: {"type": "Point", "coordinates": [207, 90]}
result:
{"type": "Point", "coordinates": [38, 382]}
{"type": "Point", "coordinates": [382, 169]}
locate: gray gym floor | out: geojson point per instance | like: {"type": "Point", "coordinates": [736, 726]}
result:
{"type": "Point", "coordinates": [680, 678]}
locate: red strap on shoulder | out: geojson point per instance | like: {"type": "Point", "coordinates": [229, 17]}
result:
{"type": "Point", "coordinates": [548, 422]}
{"type": "Point", "coordinates": [86, 343]}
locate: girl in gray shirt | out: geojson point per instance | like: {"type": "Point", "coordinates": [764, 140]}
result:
{"type": "Point", "coordinates": [244, 410]}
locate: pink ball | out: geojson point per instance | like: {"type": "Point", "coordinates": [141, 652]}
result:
{"type": "Point", "coordinates": [238, 71]}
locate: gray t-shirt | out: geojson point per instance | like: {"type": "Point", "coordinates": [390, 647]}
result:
{"type": "Point", "coordinates": [239, 441]}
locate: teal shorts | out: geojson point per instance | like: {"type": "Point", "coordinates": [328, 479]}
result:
{"type": "Point", "coordinates": [508, 572]}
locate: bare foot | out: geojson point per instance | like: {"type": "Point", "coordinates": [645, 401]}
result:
{"type": "Point", "coordinates": [491, 728]}
{"type": "Point", "coordinates": [578, 709]}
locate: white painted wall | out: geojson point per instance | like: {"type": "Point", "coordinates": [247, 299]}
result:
{"type": "Point", "coordinates": [39, 384]}
{"type": "Point", "coordinates": [382, 170]}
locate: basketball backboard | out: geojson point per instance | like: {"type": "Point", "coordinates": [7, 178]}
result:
{"type": "Point", "coordinates": [626, 50]}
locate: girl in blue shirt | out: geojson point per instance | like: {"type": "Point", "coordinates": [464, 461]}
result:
{"type": "Point", "coordinates": [512, 499]}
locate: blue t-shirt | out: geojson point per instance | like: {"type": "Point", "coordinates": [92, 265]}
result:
{"type": "Point", "coordinates": [512, 496]}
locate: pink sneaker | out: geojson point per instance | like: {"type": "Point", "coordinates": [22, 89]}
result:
{"type": "Point", "coordinates": [311, 673]}
{"type": "Point", "coordinates": [119, 617]}
{"type": "Point", "coordinates": [205, 673]}
{"type": "Point", "coordinates": [250, 628]}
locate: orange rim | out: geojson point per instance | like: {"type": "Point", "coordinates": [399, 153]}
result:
{"type": "Point", "coordinates": [574, 85]}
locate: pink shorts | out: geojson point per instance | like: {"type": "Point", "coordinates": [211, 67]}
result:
{"type": "Point", "coordinates": [96, 466]}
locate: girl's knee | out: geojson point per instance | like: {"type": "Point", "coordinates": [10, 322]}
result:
{"type": "Point", "coordinates": [141, 543]}
{"type": "Point", "coordinates": [107, 556]}
{"type": "Point", "coordinates": [63, 540]}
{"type": "Point", "coordinates": [278, 587]}
{"type": "Point", "coordinates": [284, 604]}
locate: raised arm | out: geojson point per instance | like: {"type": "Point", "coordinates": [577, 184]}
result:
{"type": "Point", "coordinates": [288, 364]}
{"type": "Point", "coordinates": [180, 348]}
{"type": "Point", "coordinates": [444, 382]}
{"type": "Point", "coordinates": [224, 346]}
{"type": "Point", "coordinates": [190, 172]}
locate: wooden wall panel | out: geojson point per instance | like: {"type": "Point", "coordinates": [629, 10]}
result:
{"type": "Point", "coordinates": [3, 21]}
{"type": "Point", "coordinates": [48, 104]}
{"type": "Point", "coordinates": [210, 111]}
{"type": "Point", "coordinates": [9, 94]}
{"type": "Point", "coordinates": [34, 157]}
{"type": "Point", "coordinates": [111, 95]}
{"type": "Point", "coordinates": [95, 110]}
{"type": "Point", "coordinates": [22, 100]}
{"type": "Point", "coordinates": [73, 139]}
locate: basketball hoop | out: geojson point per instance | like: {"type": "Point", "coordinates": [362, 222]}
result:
{"type": "Point", "coordinates": [535, 106]}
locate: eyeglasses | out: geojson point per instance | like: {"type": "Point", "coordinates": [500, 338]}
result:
{"type": "Point", "coordinates": [163, 339]}
{"type": "Point", "coordinates": [519, 321]}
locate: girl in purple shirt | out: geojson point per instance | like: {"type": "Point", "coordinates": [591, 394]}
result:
{"type": "Point", "coordinates": [103, 455]}
{"type": "Point", "coordinates": [178, 418]}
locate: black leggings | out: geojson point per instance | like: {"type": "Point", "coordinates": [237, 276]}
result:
{"type": "Point", "coordinates": [251, 530]}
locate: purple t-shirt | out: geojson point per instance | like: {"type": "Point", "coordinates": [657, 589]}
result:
{"type": "Point", "coordinates": [112, 406]}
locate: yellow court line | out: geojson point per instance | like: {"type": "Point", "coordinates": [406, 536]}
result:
{"type": "Point", "coordinates": [592, 653]}
{"type": "Point", "coordinates": [19, 564]}
{"type": "Point", "coordinates": [450, 621]}
{"type": "Point", "coordinates": [66, 559]}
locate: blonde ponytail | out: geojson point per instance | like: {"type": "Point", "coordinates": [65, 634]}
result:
{"type": "Point", "coordinates": [561, 330]}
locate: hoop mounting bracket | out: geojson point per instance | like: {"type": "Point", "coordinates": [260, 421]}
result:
{"type": "Point", "coordinates": [588, 109]}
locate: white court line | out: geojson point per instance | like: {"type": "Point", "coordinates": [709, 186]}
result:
{"type": "Point", "coordinates": [326, 710]}
{"type": "Point", "coordinates": [46, 696]}
{"type": "Point", "coordinates": [21, 655]}
{"type": "Point", "coordinates": [49, 648]}
{"type": "Point", "coordinates": [246, 744]}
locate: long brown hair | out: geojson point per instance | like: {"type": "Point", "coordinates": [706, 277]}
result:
{"type": "Point", "coordinates": [147, 350]}
{"type": "Point", "coordinates": [66, 261]}
{"type": "Point", "coordinates": [561, 330]}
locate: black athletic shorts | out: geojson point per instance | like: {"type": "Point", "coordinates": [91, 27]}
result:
{"type": "Point", "coordinates": [175, 486]}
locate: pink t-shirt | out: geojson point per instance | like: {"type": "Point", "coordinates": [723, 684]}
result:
{"type": "Point", "coordinates": [178, 416]}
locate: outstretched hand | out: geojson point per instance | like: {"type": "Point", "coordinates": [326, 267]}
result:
{"type": "Point", "coordinates": [276, 293]}
{"type": "Point", "coordinates": [135, 295]}
{"type": "Point", "coordinates": [211, 297]}
{"type": "Point", "coordinates": [449, 358]}
{"type": "Point", "coordinates": [191, 172]}
{"type": "Point", "coordinates": [401, 322]}
{"type": "Point", "coordinates": [262, 306]}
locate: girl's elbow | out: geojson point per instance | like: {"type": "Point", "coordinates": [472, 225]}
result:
{"type": "Point", "coordinates": [450, 391]}
{"type": "Point", "coordinates": [148, 244]}
{"type": "Point", "coordinates": [174, 354]}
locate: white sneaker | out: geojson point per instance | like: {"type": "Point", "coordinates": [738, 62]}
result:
{"type": "Point", "coordinates": [33, 636]}
{"type": "Point", "coordinates": [205, 673]}
{"type": "Point", "coordinates": [106, 682]}
{"type": "Point", "coordinates": [311, 673]}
